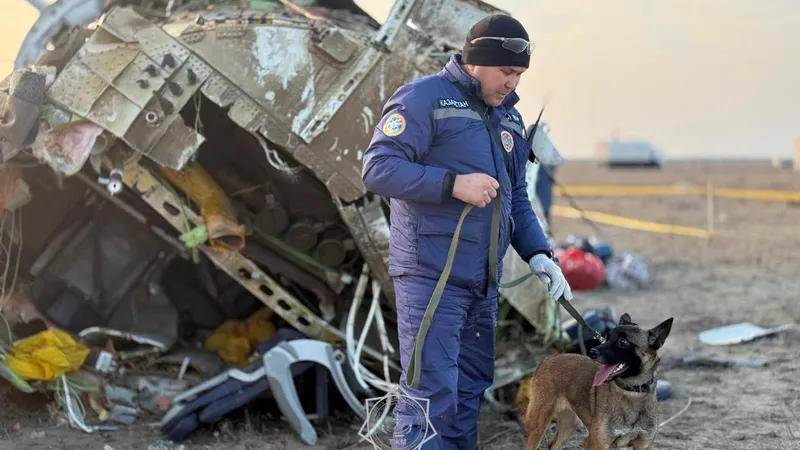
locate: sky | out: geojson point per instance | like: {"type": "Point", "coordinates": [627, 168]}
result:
{"type": "Point", "coordinates": [696, 78]}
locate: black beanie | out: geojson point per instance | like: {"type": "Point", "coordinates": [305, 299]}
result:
{"type": "Point", "coordinates": [490, 52]}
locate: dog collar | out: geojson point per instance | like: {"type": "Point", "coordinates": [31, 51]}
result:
{"type": "Point", "coordinates": [646, 387]}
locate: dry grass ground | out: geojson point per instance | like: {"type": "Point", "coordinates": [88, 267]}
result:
{"type": "Point", "coordinates": [749, 273]}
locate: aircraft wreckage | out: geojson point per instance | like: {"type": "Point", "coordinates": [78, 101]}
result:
{"type": "Point", "coordinates": [183, 163]}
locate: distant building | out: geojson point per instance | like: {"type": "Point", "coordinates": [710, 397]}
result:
{"type": "Point", "coordinates": [617, 153]}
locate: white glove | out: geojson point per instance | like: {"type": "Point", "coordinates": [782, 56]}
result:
{"type": "Point", "coordinates": [550, 274]}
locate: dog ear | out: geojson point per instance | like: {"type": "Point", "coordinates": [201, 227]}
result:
{"type": "Point", "coordinates": [625, 320]}
{"type": "Point", "coordinates": [656, 336]}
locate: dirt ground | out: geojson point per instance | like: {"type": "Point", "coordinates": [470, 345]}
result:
{"type": "Point", "coordinates": [748, 273]}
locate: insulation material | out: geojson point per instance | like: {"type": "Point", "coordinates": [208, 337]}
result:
{"type": "Point", "coordinates": [224, 231]}
{"type": "Point", "coordinates": [46, 355]}
{"type": "Point", "coordinates": [235, 340]}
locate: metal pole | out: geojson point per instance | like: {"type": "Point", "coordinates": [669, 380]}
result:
{"type": "Point", "coordinates": [710, 209]}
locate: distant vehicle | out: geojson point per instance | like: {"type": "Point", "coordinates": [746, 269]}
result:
{"type": "Point", "coordinates": [616, 153]}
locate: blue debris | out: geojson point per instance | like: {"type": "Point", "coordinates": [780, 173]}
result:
{"type": "Point", "coordinates": [663, 390]}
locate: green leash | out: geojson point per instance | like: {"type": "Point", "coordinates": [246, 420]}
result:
{"type": "Point", "coordinates": [414, 366]}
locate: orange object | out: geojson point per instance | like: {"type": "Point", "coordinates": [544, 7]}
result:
{"type": "Point", "coordinates": [224, 231]}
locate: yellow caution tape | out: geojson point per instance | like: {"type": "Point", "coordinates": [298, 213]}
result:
{"type": "Point", "coordinates": [625, 191]}
{"type": "Point", "coordinates": [756, 194]}
{"type": "Point", "coordinates": [613, 191]}
{"type": "Point", "coordinates": [630, 223]}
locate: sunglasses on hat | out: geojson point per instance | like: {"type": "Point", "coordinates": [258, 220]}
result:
{"type": "Point", "coordinates": [516, 45]}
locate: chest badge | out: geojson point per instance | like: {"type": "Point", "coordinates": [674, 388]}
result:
{"type": "Point", "coordinates": [507, 140]}
{"type": "Point", "coordinates": [394, 125]}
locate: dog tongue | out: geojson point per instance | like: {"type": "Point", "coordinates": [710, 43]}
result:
{"type": "Point", "coordinates": [602, 375]}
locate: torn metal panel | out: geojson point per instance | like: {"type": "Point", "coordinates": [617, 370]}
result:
{"type": "Point", "coordinates": [281, 68]}
{"type": "Point", "coordinates": [148, 312]}
{"type": "Point", "coordinates": [397, 19]}
{"type": "Point", "coordinates": [307, 87]}
{"type": "Point", "coordinates": [132, 78]}
{"type": "Point", "coordinates": [289, 82]}
{"type": "Point", "coordinates": [21, 98]}
{"type": "Point", "coordinates": [530, 298]}
{"type": "Point", "coordinates": [143, 344]}
{"type": "Point", "coordinates": [448, 21]}
{"type": "Point", "coordinates": [236, 265]}
{"type": "Point", "coordinates": [338, 45]}
{"type": "Point", "coordinates": [346, 125]}
{"type": "Point", "coordinates": [66, 147]}
{"type": "Point", "coordinates": [14, 192]}
{"type": "Point", "coordinates": [370, 229]}
{"type": "Point", "coordinates": [347, 83]}
{"type": "Point", "coordinates": [93, 266]}
{"type": "Point", "coordinates": [52, 19]}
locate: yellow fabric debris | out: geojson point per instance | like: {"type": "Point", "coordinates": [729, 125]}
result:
{"type": "Point", "coordinates": [235, 340]}
{"type": "Point", "coordinates": [521, 399]}
{"type": "Point", "coordinates": [46, 355]}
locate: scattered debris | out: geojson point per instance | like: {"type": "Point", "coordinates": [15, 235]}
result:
{"type": "Point", "coordinates": [202, 236]}
{"type": "Point", "coordinates": [588, 262]}
{"type": "Point", "coordinates": [739, 333]}
{"type": "Point", "coordinates": [713, 361]}
{"type": "Point", "coordinates": [45, 356]}
{"type": "Point", "coordinates": [627, 272]}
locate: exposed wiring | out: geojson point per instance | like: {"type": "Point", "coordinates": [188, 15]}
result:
{"type": "Point", "coordinates": [274, 158]}
{"type": "Point", "coordinates": [365, 330]}
{"type": "Point", "coordinates": [16, 229]}
{"type": "Point", "coordinates": [380, 322]}
{"type": "Point", "coordinates": [66, 398]}
{"type": "Point", "coordinates": [354, 347]}
{"type": "Point", "coordinates": [7, 326]}
{"type": "Point", "coordinates": [361, 287]}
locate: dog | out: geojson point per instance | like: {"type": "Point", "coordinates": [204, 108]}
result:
{"type": "Point", "coordinates": [612, 392]}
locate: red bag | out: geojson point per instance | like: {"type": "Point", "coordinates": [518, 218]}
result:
{"type": "Point", "coordinates": [583, 271]}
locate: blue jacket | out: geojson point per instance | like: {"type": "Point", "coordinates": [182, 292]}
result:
{"type": "Point", "coordinates": [427, 134]}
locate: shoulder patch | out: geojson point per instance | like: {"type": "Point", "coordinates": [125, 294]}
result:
{"type": "Point", "coordinates": [394, 125]}
{"type": "Point", "coordinates": [453, 103]}
{"type": "Point", "coordinates": [507, 139]}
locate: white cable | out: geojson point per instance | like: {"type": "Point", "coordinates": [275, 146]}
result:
{"type": "Point", "coordinates": [386, 346]}
{"type": "Point", "coordinates": [353, 356]}
{"type": "Point", "coordinates": [73, 418]}
{"type": "Point", "coordinates": [385, 385]}
{"type": "Point", "coordinates": [273, 157]}
{"type": "Point", "coordinates": [365, 329]}
{"type": "Point", "coordinates": [361, 287]}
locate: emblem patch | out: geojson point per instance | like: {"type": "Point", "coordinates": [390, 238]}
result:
{"type": "Point", "coordinates": [507, 140]}
{"type": "Point", "coordinates": [394, 125]}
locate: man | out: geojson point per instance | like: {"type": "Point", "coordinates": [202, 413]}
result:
{"type": "Point", "coordinates": [432, 154]}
